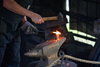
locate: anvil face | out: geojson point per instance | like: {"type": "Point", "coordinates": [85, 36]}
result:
{"type": "Point", "coordinates": [46, 46]}
{"type": "Point", "coordinates": [47, 50]}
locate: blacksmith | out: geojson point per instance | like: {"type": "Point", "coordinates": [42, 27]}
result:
{"type": "Point", "coordinates": [11, 14]}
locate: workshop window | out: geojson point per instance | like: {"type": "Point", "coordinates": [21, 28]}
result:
{"type": "Point", "coordinates": [81, 27]}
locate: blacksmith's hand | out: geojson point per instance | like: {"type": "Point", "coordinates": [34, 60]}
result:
{"type": "Point", "coordinates": [24, 20]}
{"type": "Point", "coordinates": [36, 18]}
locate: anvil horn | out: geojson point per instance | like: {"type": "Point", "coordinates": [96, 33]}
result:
{"type": "Point", "coordinates": [47, 50]}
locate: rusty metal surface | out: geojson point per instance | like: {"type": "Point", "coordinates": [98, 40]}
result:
{"type": "Point", "coordinates": [47, 51]}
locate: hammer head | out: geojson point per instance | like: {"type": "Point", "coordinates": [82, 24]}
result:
{"type": "Point", "coordinates": [60, 17]}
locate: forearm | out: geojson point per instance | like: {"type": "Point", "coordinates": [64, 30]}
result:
{"type": "Point", "coordinates": [16, 8]}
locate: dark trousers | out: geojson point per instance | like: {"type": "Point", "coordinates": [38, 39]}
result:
{"type": "Point", "coordinates": [9, 47]}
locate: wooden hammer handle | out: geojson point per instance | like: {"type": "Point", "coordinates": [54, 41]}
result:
{"type": "Point", "coordinates": [50, 18]}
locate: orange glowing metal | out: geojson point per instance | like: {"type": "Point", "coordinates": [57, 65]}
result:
{"type": "Point", "coordinates": [57, 33]}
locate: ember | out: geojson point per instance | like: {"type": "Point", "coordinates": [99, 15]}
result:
{"type": "Point", "coordinates": [57, 34]}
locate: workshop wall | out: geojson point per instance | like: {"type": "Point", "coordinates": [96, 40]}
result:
{"type": "Point", "coordinates": [47, 7]}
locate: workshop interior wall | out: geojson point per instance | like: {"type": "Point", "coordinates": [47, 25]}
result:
{"type": "Point", "coordinates": [88, 8]}
{"type": "Point", "coordinates": [44, 5]}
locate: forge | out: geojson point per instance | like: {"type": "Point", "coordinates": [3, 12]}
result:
{"type": "Point", "coordinates": [47, 51]}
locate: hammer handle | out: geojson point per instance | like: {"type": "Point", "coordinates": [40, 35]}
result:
{"type": "Point", "coordinates": [50, 18]}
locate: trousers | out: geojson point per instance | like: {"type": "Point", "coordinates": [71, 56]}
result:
{"type": "Point", "coordinates": [9, 46]}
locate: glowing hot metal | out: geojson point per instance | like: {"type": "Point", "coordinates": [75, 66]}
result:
{"type": "Point", "coordinates": [57, 34]}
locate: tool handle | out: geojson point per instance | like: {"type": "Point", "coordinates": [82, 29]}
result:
{"type": "Point", "coordinates": [50, 18]}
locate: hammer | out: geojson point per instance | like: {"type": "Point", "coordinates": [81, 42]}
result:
{"type": "Point", "coordinates": [59, 17]}
{"type": "Point", "coordinates": [31, 29]}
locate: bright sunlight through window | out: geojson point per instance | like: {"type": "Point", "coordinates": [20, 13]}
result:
{"type": "Point", "coordinates": [78, 32]}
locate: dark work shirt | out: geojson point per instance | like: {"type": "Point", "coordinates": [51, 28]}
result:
{"type": "Point", "coordinates": [11, 17]}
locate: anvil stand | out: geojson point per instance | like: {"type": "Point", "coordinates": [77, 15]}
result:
{"type": "Point", "coordinates": [47, 51]}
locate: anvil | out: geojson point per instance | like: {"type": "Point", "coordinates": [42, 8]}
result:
{"type": "Point", "coordinates": [47, 51]}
